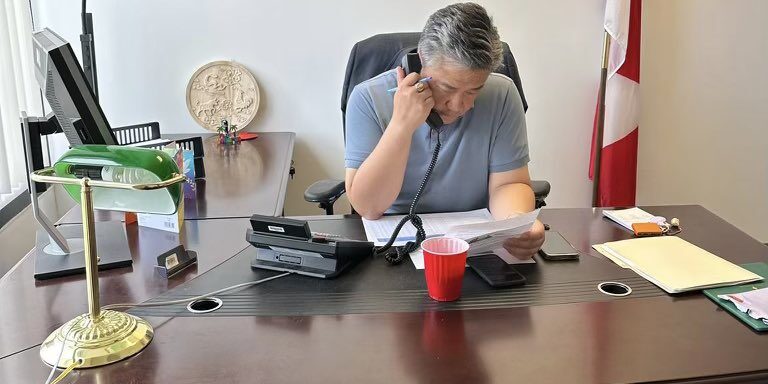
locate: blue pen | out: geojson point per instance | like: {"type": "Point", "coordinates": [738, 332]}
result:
{"type": "Point", "coordinates": [423, 80]}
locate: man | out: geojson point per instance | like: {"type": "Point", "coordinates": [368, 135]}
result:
{"type": "Point", "coordinates": [484, 155]}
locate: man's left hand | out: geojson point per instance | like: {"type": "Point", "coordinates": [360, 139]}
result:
{"type": "Point", "coordinates": [526, 245]}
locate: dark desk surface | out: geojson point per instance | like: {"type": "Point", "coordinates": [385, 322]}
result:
{"type": "Point", "coordinates": [241, 180]}
{"type": "Point", "coordinates": [38, 307]}
{"type": "Point", "coordinates": [661, 338]}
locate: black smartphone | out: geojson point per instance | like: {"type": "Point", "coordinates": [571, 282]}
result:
{"type": "Point", "coordinates": [495, 271]}
{"type": "Point", "coordinates": [556, 247]}
{"type": "Point", "coordinates": [412, 63]}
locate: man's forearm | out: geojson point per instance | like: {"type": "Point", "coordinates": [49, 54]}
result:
{"type": "Point", "coordinates": [378, 180]}
{"type": "Point", "coordinates": [511, 199]}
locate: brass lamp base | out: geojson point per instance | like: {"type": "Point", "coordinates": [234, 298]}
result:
{"type": "Point", "coordinates": [114, 337]}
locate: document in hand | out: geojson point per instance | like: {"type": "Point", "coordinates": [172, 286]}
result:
{"type": "Point", "coordinates": [435, 224]}
{"type": "Point", "coordinates": [488, 236]}
{"type": "Point", "coordinates": [676, 265]}
{"type": "Point", "coordinates": [476, 227]}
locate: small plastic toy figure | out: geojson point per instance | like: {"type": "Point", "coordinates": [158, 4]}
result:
{"type": "Point", "coordinates": [228, 133]}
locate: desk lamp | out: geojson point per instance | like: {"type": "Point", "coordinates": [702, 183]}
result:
{"type": "Point", "coordinates": [115, 178]}
{"type": "Point", "coordinates": [59, 250]}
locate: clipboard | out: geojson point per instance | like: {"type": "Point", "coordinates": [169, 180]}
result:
{"type": "Point", "coordinates": [758, 268]}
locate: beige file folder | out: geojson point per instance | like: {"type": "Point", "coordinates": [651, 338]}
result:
{"type": "Point", "coordinates": [676, 265]}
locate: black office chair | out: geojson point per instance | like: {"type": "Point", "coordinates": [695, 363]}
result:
{"type": "Point", "coordinates": [381, 53]}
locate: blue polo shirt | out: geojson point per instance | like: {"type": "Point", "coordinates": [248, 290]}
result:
{"type": "Point", "coordinates": [491, 137]}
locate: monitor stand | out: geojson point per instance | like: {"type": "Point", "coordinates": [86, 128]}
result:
{"type": "Point", "coordinates": [59, 250]}
{"type": "Point", "coordinates": [111, 248]}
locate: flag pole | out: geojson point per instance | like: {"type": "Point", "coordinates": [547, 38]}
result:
{"type": "Point", "coordinates": [600, 120]}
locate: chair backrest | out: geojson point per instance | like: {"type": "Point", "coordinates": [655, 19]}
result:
{"type": "Point", "coordinates": [383, 52]}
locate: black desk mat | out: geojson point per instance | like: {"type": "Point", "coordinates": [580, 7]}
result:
{"type": "Point", "coordinates": [373, 286]}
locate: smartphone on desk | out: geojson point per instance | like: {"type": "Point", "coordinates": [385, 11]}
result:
{"type": "Point", "coordinates": [556, 248]}
{"type": "Point", "coordinates": [495, 271]}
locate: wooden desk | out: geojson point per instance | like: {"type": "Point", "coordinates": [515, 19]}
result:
{"type": "Point", "coordinates": [663, 338]}
{"type": "Point", "coordinates": [35, 308]}
{"type": "Point", "coordinates": [241, 180]}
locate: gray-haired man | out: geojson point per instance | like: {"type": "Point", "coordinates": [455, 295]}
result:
{"type": "Point", "coordinates": [484, 155]}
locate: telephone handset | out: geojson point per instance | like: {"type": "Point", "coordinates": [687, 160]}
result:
{"type": "Point", "coordinates": [412, 63]}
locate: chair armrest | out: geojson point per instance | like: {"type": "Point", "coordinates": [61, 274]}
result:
{"type": "Point", "coordinates": [329, 190]}
{"type": "Point", "coordinates": [540, 188]}
{"type": "Point", "coordinates": [325, 191]}
{"type": "Point", "coordinates": [540, 191]}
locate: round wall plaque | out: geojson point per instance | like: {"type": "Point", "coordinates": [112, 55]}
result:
{"type": "Point", "coordinates": [222, 90]}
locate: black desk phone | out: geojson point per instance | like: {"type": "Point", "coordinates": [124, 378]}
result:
{"type": "Point", "coordinates": [288, 245]}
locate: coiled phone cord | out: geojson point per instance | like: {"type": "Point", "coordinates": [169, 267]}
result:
{"type": "Point", "coordinates": [397, 255]}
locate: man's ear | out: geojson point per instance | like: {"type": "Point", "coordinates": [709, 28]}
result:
{"type": "Point", "coordinates": [421, 61]}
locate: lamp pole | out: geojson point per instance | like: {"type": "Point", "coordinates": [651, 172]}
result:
{"type": "Point", "coordinates": [89, 243]}
{"type": "Point", "coordinates": [600, 121]}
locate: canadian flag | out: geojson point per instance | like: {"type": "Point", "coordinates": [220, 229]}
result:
{"type": "Point", "coordinates": [618, 163]}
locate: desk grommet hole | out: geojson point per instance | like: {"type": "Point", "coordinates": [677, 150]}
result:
{"type": "Point", "coordinates": [205, 305]}
{"type": "Point", "coordinates": [614, 288]}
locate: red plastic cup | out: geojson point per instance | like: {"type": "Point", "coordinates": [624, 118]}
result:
{"type": "Point", "coordinates": [444, 263]}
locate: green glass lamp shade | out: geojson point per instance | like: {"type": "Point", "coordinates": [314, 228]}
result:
{"type": "Point", "coordinates": [124, 165]}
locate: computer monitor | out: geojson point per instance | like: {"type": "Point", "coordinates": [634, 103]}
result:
{"type": "Point", "coordinates": [63, 82]}
{"type": "Point", "coordinates": [60, 251]}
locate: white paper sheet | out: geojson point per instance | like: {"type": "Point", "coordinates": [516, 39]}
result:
{"type": "Point", "coordinates": [435, 224]}
{"type": "Point", "coordinates": [754, 303]}
{"type": "Point", "coordinates": [627, 217]}
{"type": "Point", "coordinates": [476, 227]}
{"type": "Point", "coordinates": [417, 258]}
{"type": "Point", "coordinates": [489, 236]}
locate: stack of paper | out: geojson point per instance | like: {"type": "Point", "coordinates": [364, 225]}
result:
{"type": "Point", "coordinates": [627, 217]}
{"type": "Point", "coordinates": [716, 294]}
{"type": "Point", "coordinates": [488, 236]}
{"type": "Point", "coordinates": [601, 248]}
{"type": "Point", "coordinates": [676, 265]}
{"type": "Point", "coordinates": [435, 224]}
{"type": "Point", "coordinates": [476, 227]}
{"type": "Point", "coordinates": [754, 303]}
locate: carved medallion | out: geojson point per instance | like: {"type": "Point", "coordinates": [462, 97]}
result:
{"type": "Point", "coordinates": [222, 90]}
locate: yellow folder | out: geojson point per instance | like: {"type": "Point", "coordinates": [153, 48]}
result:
{"type": "Point", "coordinates": [676, 265]}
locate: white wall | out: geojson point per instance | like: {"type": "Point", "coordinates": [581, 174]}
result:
{"type": "Point", "coordinates": [704, 119]}
{"type": "Point", "coordinates": [298, 50]}
{"type": "Point", "coordinates": [703, 83]}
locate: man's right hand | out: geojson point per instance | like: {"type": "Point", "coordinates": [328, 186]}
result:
{"type": "Point", "coordinates": [389, 158]}
{"type": "Point", "coordinates": [411, 107]}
